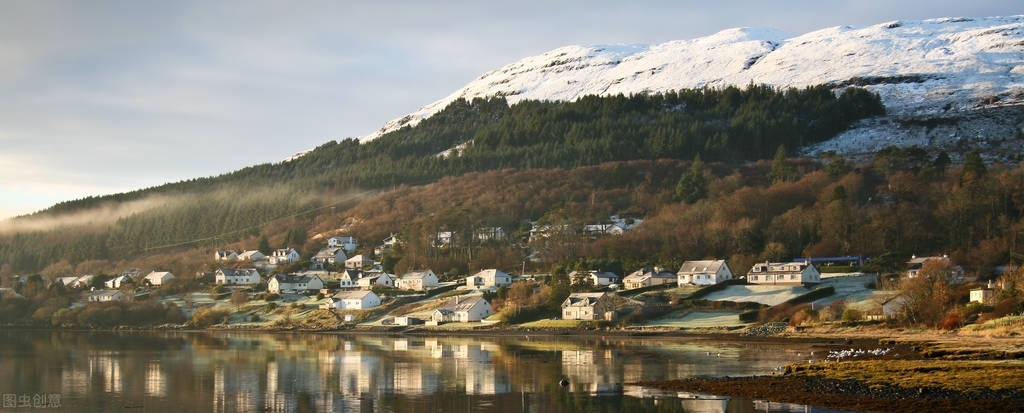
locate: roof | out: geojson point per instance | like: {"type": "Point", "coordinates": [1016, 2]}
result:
{"type": "Point", "coordinates": [417, 274]}
{"type": "Point", "coordinates": [464, 303]}
{"type": "Point", "coordinates": [293, 278]}
{"type": "Point", "coordinates": [490, 273]}
{"type": "Point", "coordinates": [232, 272]}
{"type": "Point", "coordinates": [701, 266]}
{"type": "Point", "coordinates": [158, 275]}
{"type": "Point", "coordinates": [582, 299]}
{"type": "Point", "coordinates": [352, 295]}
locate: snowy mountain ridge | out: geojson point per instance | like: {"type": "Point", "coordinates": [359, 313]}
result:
{"type": "Point", "coordinates": [932, 68]}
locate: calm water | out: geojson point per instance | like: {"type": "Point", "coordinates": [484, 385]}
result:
{"type": "Point", "coordinates": [299, 372]}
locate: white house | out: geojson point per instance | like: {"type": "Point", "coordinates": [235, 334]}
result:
{"type": "Point", "coordinates": [703, 272]}
{"type": "Point", "coordinates": [489, 279]}
{"type": "Point", "coordinates": [349, 278]}
{"type": "Point", "coordinates": [358, 262]}
{"type": "Point", "coordinates": [284, 256]}
{"type": "Point", "coordinates": [784, 273]}
{"type": "Point", "coordinates": [463, 309]}
{"type": "Point", "coordinates": [347, 243]}
{"type": "Point", "coordinates": [76, 282]}
{"type": "Point", "coordinates": [293, 283]}
{"type": "Point", "coordinates": [157, 278]}
{"type": "Point", "coordinates": [328, 256]}
{"type": "Point", "coordinates": [225, 255]}
{"type": "Point", "coordinates": [228, 276]}
{"type": "Point", "coordinates": [252, 256]}
{"type": "Point", "coordinates": [353, 300]}
{"type": "Point", "coordinates": [417, 280]}
{"type": "Point", "coordinates": [648, 276]}
{"type": "Point", "coordinates": [104, 296]}
{"type": "Point", "coordinates": [587, 306]}
{"type": "Point", "coordinates": [386, 245]}
{"type": "Point", "coordinates": [597, 278]}
{"type": "Point", "coordinates": [984, 295]}
{"type": "Point", "coordinates": [376, 279]}
{"type": "Point", "coordinates": [953, 273]}
{"type": "Point", "coordinates": [117, 281]}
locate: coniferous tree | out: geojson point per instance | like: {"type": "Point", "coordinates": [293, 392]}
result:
{"type": "Point", "coordinates": [693, 185]}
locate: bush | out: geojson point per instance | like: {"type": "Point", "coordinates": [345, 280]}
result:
{"type": "Point", "coordinates": [850, 314]}
{"type": "Point", "coordinates": [952, 321]}
{"type": "Point", "coordinates": [205, 317]}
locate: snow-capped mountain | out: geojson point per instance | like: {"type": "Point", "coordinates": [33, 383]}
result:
{"type": "Point", "coordinates": [931, 68]}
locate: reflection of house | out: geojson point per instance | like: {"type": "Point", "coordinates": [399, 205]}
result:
{"type": "Point", "coordinates": [328, 256]}
{"type": "Point", "coordinates": [649, 276]}
{"type": "Point", "coordinates": [228, 276]}
{"type": "Point", "coordinates": [417, 280]}
{"type": "Point", "coordinates": [784, 273]}
{"type": "Point", "coordinates": [463, 310]}
{"type": "Point", "coordinates": [104, 296]}
{"type": "Point", "coordinates": [353, 300]}
{"type": "Point", "coordinates": [292, 283]}
{"type": "Point", "coordinates": [588, 306]}
{"type": "Point", "coordinates": [704, 272]}
{"type": "Point", "coordinates": [157, 278]}
{"type": "Point", "coordinates": [489, 279]}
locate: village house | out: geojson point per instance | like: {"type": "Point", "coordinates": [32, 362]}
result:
{"type": "Point", "coordinates": [417, 280]}
{"type": "Point", "coordinates": [347, 243]}
{"type": "Point", "coordinates": [228, 276]}
{"type": "Point", "coordinates": [588, 306]}
{"type": "Point", "coordinates": [225, 255]}
{"type": "Point", "coordinates": [649, 276]}
{"type": "Point", "coordinates": [489, 279]}
{"type": "Point", "coordinates": [953, 273]}
{"type": "Point", "coordinates": [84, 281]}
{"type": "Point", "coordinates": [294, 283]}
{"type": "Point", "coordinates": [376, 279]}
{"type": "Point", "coordinates": [984, 295]}
{"type": "Point", "coordinates": [283, 256]}
{"type": "Point", "coordinates": [463, 309]}
{"type": "Point", "coordinates": [349, 278]}
{"type": "Point", "coordinates": [443, 239]}
{"type": "Point", "coordinates": [484, 234]}
{"type": "Point", "coordinates": [252, 256]}
{"type": "Point", "coordinates": [157, 278]}
{"type": "Point", "coordinates": [118, 281]}
{"type": "Point", "coordinates": [352, 300]}
{"type": "Point", "coordinates": [328, 256]}
{"type": "Point", "coordinates": [597, 278]}
{"type": "Point", "coordinates": [386, 245]}
{"type": "Point", "coordinates": [703, 272]}
{"type": "Point", "coordinates": [104, 296]}
{"type": "Point", "coordinates": [359, 262]}
{"type": "Point", "coordinates": [784, 273]}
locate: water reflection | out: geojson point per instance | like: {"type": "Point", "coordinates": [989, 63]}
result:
{"type": "Point", "coordinates": [248, 372]}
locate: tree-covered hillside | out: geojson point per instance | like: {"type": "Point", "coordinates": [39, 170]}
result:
{"type": "Point", "coordinates": [729, 126]}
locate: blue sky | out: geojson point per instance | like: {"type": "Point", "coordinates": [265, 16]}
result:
{"type": "Point", "coordinates": [102, 97]}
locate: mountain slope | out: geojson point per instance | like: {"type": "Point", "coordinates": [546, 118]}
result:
{"type": "Point", "coordinates": [920, 68]}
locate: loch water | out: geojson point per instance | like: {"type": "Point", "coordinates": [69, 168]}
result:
{"type": "Point", "coordinates": [227, 371]}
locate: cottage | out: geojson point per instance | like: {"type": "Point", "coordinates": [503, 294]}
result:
{"type": "Point", "coordinates": [328, 256]}
{"type": "Point", "coordinates": [349, 278]}
{"type": "Point", "coordinates": [386, 245]}
{"type": "Point", "coordinates": [649, 276]}
{"type": "Point", "coordinates": [784, 273]}
{"type": "Point", "coordinates": [984, 295]}
{"type": "Point", "coordinates": [376, 279]}
{"type": "Point", "coordinates": [294, 283]}
{"type": "Point", "coordinates": [489, 279]}
{"type": "Point", "coordinates": [118, 281]}
{"type": "Point", "coordinates": [954, 273]}
{"type": "Point", "coordinates": [157, 278]}
{"type": "Point", "coordinates": [417, 280]}
{"type": "Point", "coordinates": [353, 300]}
{"type": "Point", "coordinates": [597, 278]}
{"type": "Point", "coordinates": [104, 296]}
{"type": "Point", "coordinates": [347, 243]}
{"type": "Point", "coordinates": [359, 262]}
{"type": "Point", "coordinates": [252, 256]}
{"type": "Point", "coordinates": [83, 281]}
{"type": "Point", "coordinates": [703, 272]}
{"type": "Point", "coordinates": [588, 306]}
{"type": "Point", "coordinates": [284, 256]}
{"type": "Point", "coordinates": [463, 309]}
{"type": "Point", "coordinates": [228, 276]}
{"type": "Point", "coordinates": [225, 255]}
